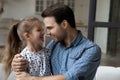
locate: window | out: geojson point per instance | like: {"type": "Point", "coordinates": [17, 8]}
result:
{"type": "Point", "coordinates": [49, 2]}
{"type": "Point", "coordinates": [42, 4]}
{"type": "Point", "coordinates": [104, 29]}
{"type": "Point", "coordinates": [71, 4]}
{"type": "Point", "coordinates": [39, 5]}
{"type": "Point", "coordinates": [61, 1]}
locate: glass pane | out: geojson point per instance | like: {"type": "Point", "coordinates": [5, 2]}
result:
{"type": "Point", "coordinates": [109, 41]}
{"type": "Point", "coordinates": [39, 5]}
{"type": "Point", "coordinates": [109, 11]}
{"type": "Point", "coordinates": [50, 2]}
{"type": "Point", "coordinates": [61, 1]}
{"type": "Point", "coordinates": [115, 11]}
{"type": "Point", "coordinates": [37, 8]}
{"type": "Point", "coordinates": [37, 2]}
{"type": "Point", "coordinates": [102, 10]}
{"type": "Point", "coordinates": [71, 4]}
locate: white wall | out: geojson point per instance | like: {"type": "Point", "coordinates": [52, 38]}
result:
{"type": "Point", "coordinates": [18, 8]}
{"type": "Point", "coordinates": [82, 14]}
{"type": "Point", "coordinates": [22, 8]}
{"type": "Point", "coordinates": [102, 15]}
{"type": "Point", "coordinates": [82, 11]}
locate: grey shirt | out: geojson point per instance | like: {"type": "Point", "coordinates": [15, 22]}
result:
{"type": "Point", "coordinates": [39, 62]}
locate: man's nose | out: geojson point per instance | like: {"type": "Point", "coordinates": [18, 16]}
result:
{"type": "Point", "coordinates": [48, 32]}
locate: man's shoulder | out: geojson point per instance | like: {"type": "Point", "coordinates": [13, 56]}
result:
{"type": "Point", "coordinates": [92, 46]}
{"type": "Point", "coordinates": [88, 43]}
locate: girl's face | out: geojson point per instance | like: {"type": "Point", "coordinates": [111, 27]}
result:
{"type": "Point", "coordinates": [37, 34]}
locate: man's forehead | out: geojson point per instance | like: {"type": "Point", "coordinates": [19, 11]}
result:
{"type": "Point", "coordinates": [49, 19]}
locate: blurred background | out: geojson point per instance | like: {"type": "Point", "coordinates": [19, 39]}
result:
{"type": "Point", "coordinates": [99, 20]}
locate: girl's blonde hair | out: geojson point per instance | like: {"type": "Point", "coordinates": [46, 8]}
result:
{"type": "Point", "coordinates": [15, 41]}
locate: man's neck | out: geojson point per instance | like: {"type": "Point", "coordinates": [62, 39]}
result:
{"type": "Point", "coordinates": [71, 35]}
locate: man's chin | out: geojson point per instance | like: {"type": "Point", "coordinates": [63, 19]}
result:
{"type": "Point", "coordinates": [55, 40]}
{"type": "Point", "coordinates": [58, 40]}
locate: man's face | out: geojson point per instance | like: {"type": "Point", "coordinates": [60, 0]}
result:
{"type": "Point", "coordinates": [56, 31]}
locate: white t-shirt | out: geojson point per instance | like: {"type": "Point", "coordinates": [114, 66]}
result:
{"type": "Point", "coordinates": [39, 62]}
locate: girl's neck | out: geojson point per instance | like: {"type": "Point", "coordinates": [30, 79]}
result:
{"type": "Point", "coordinates": [34, 48]}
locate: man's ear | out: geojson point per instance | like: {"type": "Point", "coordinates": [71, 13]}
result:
{"type": "Point", "coordinates": [26, 36]}
{"type": "Point", "coordinates": [64, 24]}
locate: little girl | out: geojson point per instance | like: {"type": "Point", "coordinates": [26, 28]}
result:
{"type": "Point", "coordinates": [28, 32]}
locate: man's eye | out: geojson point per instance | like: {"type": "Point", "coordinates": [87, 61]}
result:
{"type": "Point", "coordinates": [49, 28]}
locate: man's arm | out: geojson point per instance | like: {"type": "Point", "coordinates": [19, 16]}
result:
{"type": "Point", "coordinates": [26, 76]}
{"type": "Point", "coordinates": [19, 64]}
{"type": "Point", "coordinates": [86, 65]}
{"type": "Point", "coordinates": [55, 77]}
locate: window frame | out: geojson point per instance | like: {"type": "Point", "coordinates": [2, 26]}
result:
{"type": "Point", "coordinates": [44, 4]}
{"type": "Point", "coordinates": [92, 24]}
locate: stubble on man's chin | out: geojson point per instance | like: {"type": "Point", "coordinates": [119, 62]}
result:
{"type": "Point", "coordinates": [61, 41]}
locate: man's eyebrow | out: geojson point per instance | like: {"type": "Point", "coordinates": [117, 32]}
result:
{"type": "Point", "coordinates": [49, 26]}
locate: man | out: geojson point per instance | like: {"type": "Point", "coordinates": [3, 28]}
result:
{"type": "Point", "coordinates": [73, 56]}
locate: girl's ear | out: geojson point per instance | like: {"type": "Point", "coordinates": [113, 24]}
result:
{"type": "Point", "coordinates": [26, 36]}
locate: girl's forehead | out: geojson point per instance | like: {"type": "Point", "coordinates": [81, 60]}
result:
{"type": "Point", "coordinates": [38, 24]}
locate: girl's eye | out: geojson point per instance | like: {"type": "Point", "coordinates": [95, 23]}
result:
{"type": "Point", "coordinates": [38, 29]}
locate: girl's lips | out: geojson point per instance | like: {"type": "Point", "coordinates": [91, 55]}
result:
{"type": "Point", "coordinates": [42, 38]}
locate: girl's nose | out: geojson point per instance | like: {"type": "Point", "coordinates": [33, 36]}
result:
{"type": "Point", "coordinates": [42, 31]}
